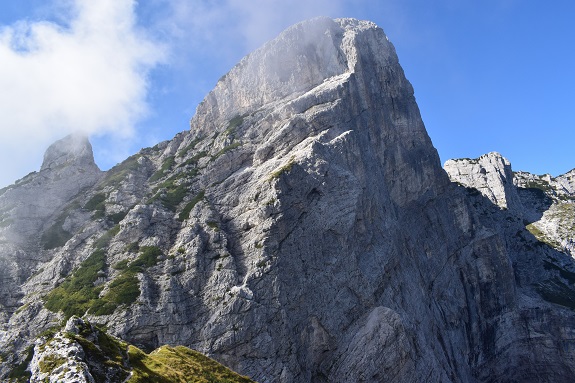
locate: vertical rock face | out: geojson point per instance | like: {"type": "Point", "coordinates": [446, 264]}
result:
{"type": "Point", "coordinates": [491, 174]}
{"type": "Point", "coordinates": [546, 203]}
{"type": "Point", "coordinates": [303, 230]}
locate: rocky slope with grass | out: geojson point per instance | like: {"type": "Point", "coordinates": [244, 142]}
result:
{"type": "Point", "coordinates": [303, 230]}
{"type": "Point", "coordinates": [84, 353]}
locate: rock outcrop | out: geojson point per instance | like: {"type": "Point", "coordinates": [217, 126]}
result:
{"type": "Point", "coordinates": [491, 174]}
{"type": "Point", "coordinates": [304, 230]}
{"type": "Point", "coordinates": [34, 205]}
{"type": "Point", "coordinates": [545, 203]}
{"type": "Point", "coordinates": [83, 353]}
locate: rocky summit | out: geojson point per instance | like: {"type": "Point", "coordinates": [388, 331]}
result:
{"type": "Point", "coordinates": [302, 230]}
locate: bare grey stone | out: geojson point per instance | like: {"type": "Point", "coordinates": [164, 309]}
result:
{"type": "Point", "coordinates": [304, 231]}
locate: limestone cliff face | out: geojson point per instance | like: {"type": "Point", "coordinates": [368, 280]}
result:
{"type": "Point", "coordinates": [545, 203]}
{"type": "Point", "coordinates": [303, 230]}
{"type": "Point", "coordinates": [491, 174]}
{"type": "Point", "coordinates": [32, 204]}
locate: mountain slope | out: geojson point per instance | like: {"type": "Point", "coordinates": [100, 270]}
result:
{"type": "Point", "coordinates": [80, 352]}
{"type": "Point", "coordinates": [303, 230]}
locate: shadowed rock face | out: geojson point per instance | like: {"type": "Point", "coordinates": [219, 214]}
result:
{"type": "Point", "coordinates": [303, 230]}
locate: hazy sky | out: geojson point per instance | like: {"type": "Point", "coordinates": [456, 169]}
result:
{"type": "Point", "coordinates": [495, 75]}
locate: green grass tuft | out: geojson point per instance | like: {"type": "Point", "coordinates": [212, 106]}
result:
{"type": "Point", "coordinates": [213, 225]}
{"type": "Point", "coordinates": [119, 172]}
{"type": "Point", "coordinates": [178, 364]}
{"type": "Point", "coordinates": [185, 213]}
{"type": "Point", "coordinates": [125, 289]}
{"type": "Point", "coordinates": [97, 204]}
{"type": "Point", "coordinates": [225, 150]}
{"type": "Point", "coordinates": [50, 362]}
{"type": "Point", "coordinates": [104, 241]}
{"type": "Point", "coordinates": [284, 169]}
{"type": "Point", "coordinates": [167, 165]}
{"type": "Point", "coordinates": [191, 146]}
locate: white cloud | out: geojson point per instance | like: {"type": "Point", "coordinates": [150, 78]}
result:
{"type": "Point", "coordinates": [261, 20]}
{"type": "Point", "coordinates": [88, 74]}
{"type": "Point", "coordinates": [226, 26]}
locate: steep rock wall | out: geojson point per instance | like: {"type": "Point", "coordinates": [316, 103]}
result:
{"type": "Point", "coordinates": [303, 230]}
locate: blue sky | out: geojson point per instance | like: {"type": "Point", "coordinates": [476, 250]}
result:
{"type": "Point", "coordinates": [488, 76]}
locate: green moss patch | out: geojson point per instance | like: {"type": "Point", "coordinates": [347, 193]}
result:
{"type": "Point", "coordinates": [185, 213]}
{"type": "Point", "coordinates": [235, 122]}
{"type": "Point", "coordinates": [97, 204]}
{"type": "Point", "coordinates": [171, 194]}
{"type": "Point", "coordinates": [106, 356]}
{"type": "Point", "coordinates": [125, 289]}
{"type": "Point", "coordinates": [50, 362]}
{"type": "Point", "coordinates": [542, 237]}
{"type": "Point", "coordinates": [119, 172]}
{"type": "Point", "coordinates": [190, 146]}
{"type": "Point", "coordinates": [117, 217]}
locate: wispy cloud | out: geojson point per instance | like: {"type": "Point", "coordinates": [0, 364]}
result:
{"type": "Point", "coordinates": [231, 25]}
{"type": "Point", "coordinates": [86, 72]}
{"type": "Point", "coordinates": [89, 66]}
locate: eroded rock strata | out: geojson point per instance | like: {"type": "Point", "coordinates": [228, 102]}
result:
{"type": "Point", "coordinates": [303, 230]}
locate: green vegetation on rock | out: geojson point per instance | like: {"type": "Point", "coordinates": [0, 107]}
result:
{"type": "Point", "coordinates": [55, 236]}
{"type": "Point", "coordinates": [284, 169]}
{"type": "Point", "coordinates": [170, 193]}
{"type": "Point", "coordinates": [119, 172]}
{"type": "Point", "coordinates": [190, 146]}
{"type": "Point", "coordinates": [194, 159]}
{"type": "Point", "coordinates": [97, 204]}
{"type": "Point", "coordinates": [235, 122]}
{"type": "Point", "coordinates": [105, 355]}
{"type": "Point", "coordinates": [104, 241]}
{"type": "Point", "coordinates": [50, 362]}
{"type": "Point", "coordinates": [77, 293]}
{"type": "Point", "coordinates": [167, 165]}
{"type": "Point", "coordinates": [225, 150]}
{"type": "Point", "coordinates": [185, 213]}
{"type": "Point", "coordinates": [20, 372]}
{"type": "Point", "coordinates": [178, 364]}
{"type": "Point", "coordinates": [111, 359]}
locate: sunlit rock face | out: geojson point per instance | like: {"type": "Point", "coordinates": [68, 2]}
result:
{"type": "Point", "coordinates": [545, 203]}
{"type": "Point", "coordinates": [303, 230]}
{"type": "Point", "coordinates": [491, 174]}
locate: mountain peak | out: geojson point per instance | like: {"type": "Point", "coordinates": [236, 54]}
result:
{"type": "Point", "coordinates": [299, 59]}
{"type": "Point", "coordinates": [72, 149]}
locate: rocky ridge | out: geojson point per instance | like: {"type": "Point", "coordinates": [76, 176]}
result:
{"type": "Point", "coordinates": [83, 353]}
{"type": "Point", "coordinates": [545, 203]}
{"type": "Point", "coordinates": [303, 230]}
